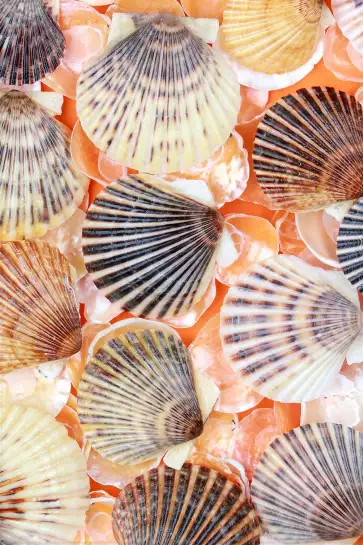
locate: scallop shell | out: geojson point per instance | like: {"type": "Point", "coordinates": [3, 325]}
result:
{"type": "Point", "coordinates": [287, 327]}
{"type": "Point", "coordinates": [137, 396]}
{"type": "Point", "coordinates": [308, 485]}
{"type": "Point", "coordinates": [159, 100]}
{"type": "Point", "coordinates": [39, 320]}
{"type": "Point", "coordinates": [272, 37]}
{"type": "Point", "coordinates": [31, 42]}
{"type": "Point", "coordinates": [308, 151]}
{"type": "Point", "coordinates": [43, 480]}
{"type": "Point", "coordinates": [40, 187]}
{"type": "Point", "coordinates": [349, 16]}
{"type": "Point", "coordinates": [350, 245]}
{"type": "Point", "coordinates": [193, 505]}
{"type": "Point", "coordinates": [150, 249]}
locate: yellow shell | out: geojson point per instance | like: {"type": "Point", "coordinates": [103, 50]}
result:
{"type": "Point", "coordinates": [39, 320]}
{"type": "Point", "coordinates": [272, 36]}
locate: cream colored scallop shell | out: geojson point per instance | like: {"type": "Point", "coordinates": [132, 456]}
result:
{"type": "Point", "coordinates": [349, 17]}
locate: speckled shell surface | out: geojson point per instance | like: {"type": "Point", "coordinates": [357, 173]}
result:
{"type": "Point", "coordinates": [195, 505]}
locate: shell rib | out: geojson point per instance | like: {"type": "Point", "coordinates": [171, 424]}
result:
{"type": "Point", "coordinates": [160, 99]}
{"type": "Point", "coordinates": [31, 42]}
{"type": "Point", "coordinates": [308, 150]}
{"type": "Point", "coordinates": [195, 505]}
{"type": "Point", "coordinates": [150, 249]}
{"type": "Point", "coordinates": [39, 320]}
{"type": "Point", "coordinates": [137, 395]}
{"type": "Point", "coordinates": [40, 186]}
{"type": "Point", "coordinates": [350, 245]}
{"type": "Point", "coordinates": [287, 327]}
{"type": "Point", "coordinates": [349, 17]}
{"type": "Point", "coordinates": [272, 37]}
{"type": "Point", "coordinates": [43, 480]}
{"type": "Point", "coordinates": [308, 485]}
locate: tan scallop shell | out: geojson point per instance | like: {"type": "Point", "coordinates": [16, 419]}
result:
{"type": "Point", "coordinates": [287, 327]}
{"type": "Point", "coordinates": [349, 17]}
{"type": "Point", "coordinates": [43, 480]}
{"type": "Point", "coordinates": [149, 248]}
{"type": "Point", "coordinates": [195, 505]}
{"type": "Point", "coordinates": [40, 186]}
{"type": "Point", "coordinates": [137, 397]}
{"type": "Point", "coordinates": [31, 42]}
{"type": "Point", "coordinates": [160, 99]}
{"type": "Point", "coordinates": [272, 37]}
{"type": "Point", "coordinates": [39, 319]}
{"type": "Point", "coordinates": [308, 485]}
{"type": "Point", "coordinates": [308, 150]}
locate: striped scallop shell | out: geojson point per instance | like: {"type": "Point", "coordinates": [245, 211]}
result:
{"type": "Point", "coordinates": [272, 37]}
{"type": "Point", "coordinates": [308, 485]}
{"type": "Point", "coordinates": [31, 42]}
{"type": "Point", "coordinates": [350, 245]}
{"type": "Point", "coordinates": [137, 398]}
{"type": "Point", "coordinates": [159, 100]}
{"type": "Point", "coordinates": [195, 505]}
{"type": "Point", "coordinates": [43, 480]}
{"type": "Point", "coordinates": [40, 186]}
{"type": "Point", "coordinates": [287, 327]}
{"type": "Point", "coordinates": [308, 150]}
{"type": "Point", "coordinates": [150, 249]}
{"type": "Point", "coordinates": [39, 320]}
{"type": "Point", "coordinates": [349, 17]}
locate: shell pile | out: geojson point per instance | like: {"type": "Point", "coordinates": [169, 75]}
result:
{"type": "Point", "coordinates": [181, 272]}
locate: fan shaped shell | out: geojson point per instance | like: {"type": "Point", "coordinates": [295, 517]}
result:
{"type": "Point", "coordinates": [349, 16]}
{"type": "Point", "coordinates": [193, 505]}
{"type": "Point", "coordinates": [159, 100]}
{"type": "Point", "coordinates": [137, 397]}
{"type": "Point", "coordinates": [272, 37]}
{"type": "Point", "coordinates": [308, 151]}
{"type": "Point", "coordinates": [350, 245]}
{"type": "Point", "coordinates": [31, 42]}
{"type": "Point", "coordinates": [308, 485]}
{"type": "Point", "coordinates": [150, 249]}
{"type": "Point", "coordinates": [43, 480]}
{"type": "Point", "coordinates": [40, 186]}
{"type": "Point", "coordinates": [39, 320]}
{"type": "Point", "coordinates": [287, 327]}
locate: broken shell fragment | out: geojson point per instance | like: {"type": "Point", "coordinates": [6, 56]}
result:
{"type": "Point", "coordinates": [39, 319]}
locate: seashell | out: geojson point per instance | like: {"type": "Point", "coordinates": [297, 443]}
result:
{"type": "Point", "coordinates": [308, 485]}
{"type": "Point", "coordinates": [40, 187]}
{"type": "Point", "coordinates": [349, 17]}
{"type": "Point", "coordinates": [272, 37]}
{"type": "Point", "coordinates": [193, 505]}
{"type": "Point", "coordinates": [150, 248]}
{"type": "Point", "coordinates": [158, 99]}
{"type": "Point", "coordinates": [308, 150]}
{"type": "Point", "coordinates": [288, 326]}
{"type": "Point", "coordinates": [31, 42]}
{"type": "Point", "coordinates": [43, 480]}
{"type": "Point", "coordinates": [39, 319]}
{"type": "Point", "coordinates": [350, 245]}
{"type": "Point", "coordinates": [137, 396]}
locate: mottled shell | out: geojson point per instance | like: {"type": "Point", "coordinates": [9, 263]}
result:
{"type": "Point", "coordinates": [308, 485]}
{"type": "Point", "coordinates": [272, 37]}
{"type": "Point", "coordinates": [31, 42]}
{"type": "Point", "coordinates": [195, 505]}
{"type": "Point", "coordinates": [159, 100]}
{"type": "Point", "coordinates": [40, 186]}
{"type": "Point", "coordinates": [308, 151]}
{"type": "Point", "coordinates": [39, 319]}
{"type": "Point", "coordinates": [43, 480]}
{"type": "Point", "coordinates": [350, 245]}
{"type": "Point", "coordinates": [349, 17]}
{"type": "Point", "coordinates": [287, 327]}
{"type": "Point", "coordinates": [137, 398]}
{"type": "Point", "coordinates": [150, 249]}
